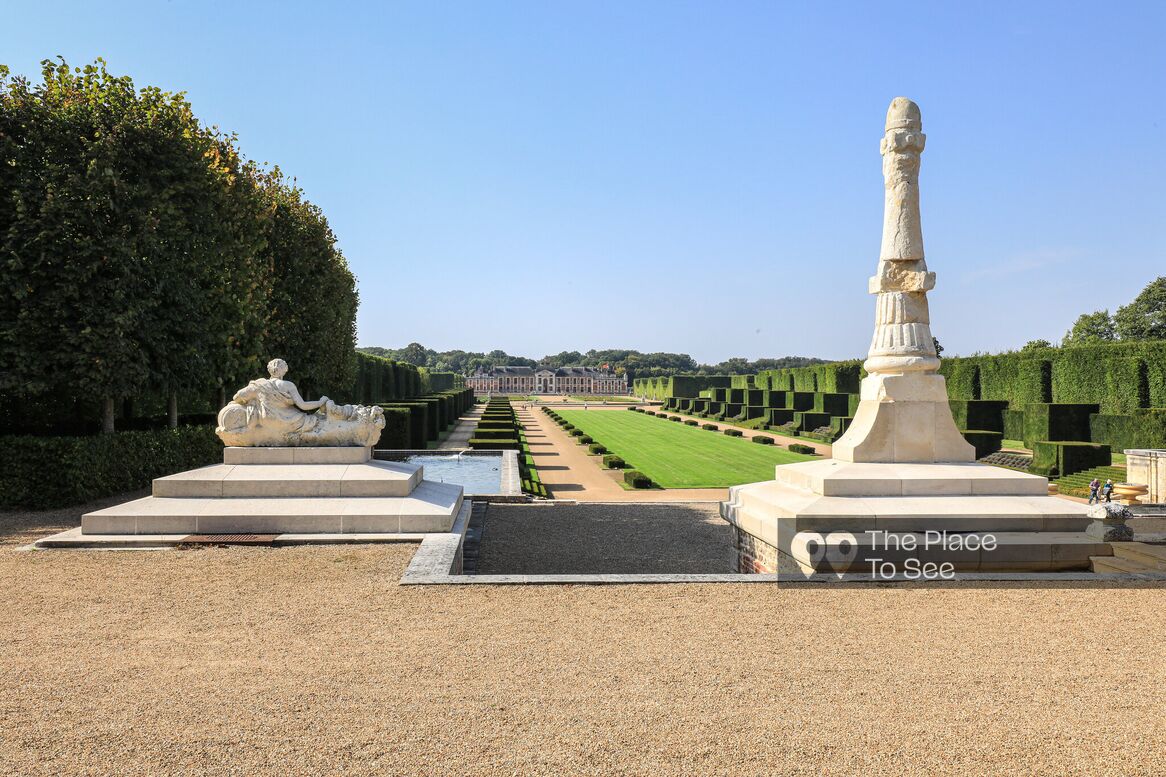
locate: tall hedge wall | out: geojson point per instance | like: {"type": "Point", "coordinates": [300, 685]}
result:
{"type": "Point", "coordinates": [1121, 377]}
{"type": "Point", "coordinates": [382, 380]}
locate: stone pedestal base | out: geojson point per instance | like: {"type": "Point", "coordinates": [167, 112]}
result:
{"type": "Point", "coordinates": [287, 491]}
{"type": "Point", "coordinates": [834, 515]}
{"type": "Point", "coordinates": [903, 418]}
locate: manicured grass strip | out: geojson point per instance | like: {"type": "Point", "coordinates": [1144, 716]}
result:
{"type": "Point", "coordinates": [678, 456]}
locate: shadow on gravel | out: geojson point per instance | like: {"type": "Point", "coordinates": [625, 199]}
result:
{"type": "Point", "coordinates": [605, 539]}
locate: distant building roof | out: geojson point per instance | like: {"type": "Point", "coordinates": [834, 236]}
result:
{"type": "Point", "coordinates": [561, 372]}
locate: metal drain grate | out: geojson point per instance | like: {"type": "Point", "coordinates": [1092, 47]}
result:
{"type": "Point", "coordinates": [230, 539]}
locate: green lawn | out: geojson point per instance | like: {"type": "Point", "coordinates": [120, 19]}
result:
{"type": "Point", "coordinates": [677, 456]}
{"type": "Point", "coordinates": [600, 399]}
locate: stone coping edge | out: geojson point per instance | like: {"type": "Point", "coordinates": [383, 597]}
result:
{"type": "Point", "coordinates": [413, 578]}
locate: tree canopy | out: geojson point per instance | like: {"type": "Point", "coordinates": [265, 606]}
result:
{"type": "Point", "coordinates": [143, 254]}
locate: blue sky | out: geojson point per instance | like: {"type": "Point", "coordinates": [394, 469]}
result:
{"type": "Point", "coordinates": [695, 177]}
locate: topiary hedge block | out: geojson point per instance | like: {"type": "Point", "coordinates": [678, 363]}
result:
{"type": "Point", "coordinates": [987, 414]}
{"type": "Point", "coordinates": [797, 447]}
{"type": "Point", "coordinates": [596, 449]}
{"type": "Point", "coordinates": [1142, 429]}
{"type": "Point", "coordinates": [733, 433]}
{"type": "Point", "coordinates": [760, 440]}
{"type": "Point", "coordinates": [777, 416]}
{"type": "Point", "coordinates": [636, 479]}
{"type": "Point", "coordinates": [611, 461]}
{"type": "Point", "coordinates": [1058, 459]}
{"type": "Point", "coordinates": [985, 442]}
{"type": "Point", "coordinates": [1053, 422]}
{"type": "Point", "coordinates": [710, 427]}
{"type": "Point", "coordinates": [831, 404]}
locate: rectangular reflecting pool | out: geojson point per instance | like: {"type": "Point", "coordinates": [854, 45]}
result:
{"type": "Point", "coordinates": [479, 473]}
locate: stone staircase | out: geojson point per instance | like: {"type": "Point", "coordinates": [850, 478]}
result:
{"type": "Point", "coordinates": [1131, 557]}
{"type": "Point", "coordinates": [1077, 484]}
{"type": "Point", "coordinates": [287, 491]}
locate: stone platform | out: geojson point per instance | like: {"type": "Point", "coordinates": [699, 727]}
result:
{"type": "Point", "coordinates": [896, 511]}
{"type": "Point", "coordinates": [287, 491]}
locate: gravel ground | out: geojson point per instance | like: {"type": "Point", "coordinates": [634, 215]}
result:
{"type": "Point", "coordinates": [313, 660]}
{"type": "Point", "coordinates": [592, 539]}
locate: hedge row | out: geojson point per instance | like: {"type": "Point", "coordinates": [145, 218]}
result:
{"type": "Point", "coordinates": [45, 472]}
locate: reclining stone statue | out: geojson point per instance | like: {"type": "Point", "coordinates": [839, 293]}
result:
{"type": "Point", "coordinates": [269, 412]}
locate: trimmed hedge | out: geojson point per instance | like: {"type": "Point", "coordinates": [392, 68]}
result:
{"type": "Point", "coordinates": [760, 440]}
{"type": "Point", "coordinates": [611, 461]}
{"type": "Point", "coordinates": [691, 422]}
{"type": "Point", "coordinates": [576, 432]}
{"type": "Point", "coordinates": [1058, 459]}
{"type": "Point", "coordinates": [636, 479]}
{"type": "Point", "coordinates": [1142, 429]}
{"type": "Point", "coordinates": [734, 433]}
{"type": "Point", "coordinates": [797, 447]}
{"type": "Point", "coordinates": [396, 433]}
{"type": "Point", "coordinates": [585, 439]}
{"type": "Point", "coordinates": [493, 445]}
{"type": "Point", "coordinates": [596, 448]}
{"type": "Point", "coordinates": [710, 427]}
{"type": "Point", "coordinates": [45, 472]}
{"type": "Point", "coordinates": [1046, 421]}
{"type": "Point", "coordinates": [985, 442]}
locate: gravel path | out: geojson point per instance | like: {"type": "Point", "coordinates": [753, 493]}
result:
{"type": "Point", "coordinates": [592, 539]}
{"type": "Point", "coordinates": [312, 660]}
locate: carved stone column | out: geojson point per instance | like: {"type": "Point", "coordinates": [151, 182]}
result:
{"type": "Point", "coordinates": [903, 415]}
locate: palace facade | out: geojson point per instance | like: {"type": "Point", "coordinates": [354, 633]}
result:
{"type": "Point", "coordinates": [540, 380]}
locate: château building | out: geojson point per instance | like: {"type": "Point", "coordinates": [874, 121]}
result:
{"type": "Point", "coordinates": [541, 380]}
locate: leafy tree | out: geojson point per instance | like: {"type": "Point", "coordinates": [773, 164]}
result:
{"type": "Point", "coordinates": [1145, 317]}
{"type": "Point", "coordinates": [1036, 345]}
{"type": "Point", "coordinates": [126, 244]}
{"type": "Point", "coordinates": [1091, 328]}
{"type": "Point", "coordinates": [311, 317]}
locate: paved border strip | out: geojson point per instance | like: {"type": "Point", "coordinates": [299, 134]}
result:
{"type": "Point", "coordinates": [438, 562]}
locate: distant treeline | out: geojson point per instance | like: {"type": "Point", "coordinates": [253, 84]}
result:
{"type": "Point", "coordinates": [635, 363]}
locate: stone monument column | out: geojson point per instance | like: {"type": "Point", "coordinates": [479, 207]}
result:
{"type": "Point", "coordinates": [903, 414]}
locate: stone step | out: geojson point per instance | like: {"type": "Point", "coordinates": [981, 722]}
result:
{"type": "Point", "coordinates": [965, 552]}
{"type": "Point", "coordinates": [1110, 564]}
{"type": "Point", "coordinates": [771, 502]}
{"type": "Point", "coordinates": [830, 477]}
{"type": "Point", "coordinates": [431, 507]}
{"type": "Point", "coordinates": [1152, 556]}
{"type": "Point", "coordinates": [369, 479]}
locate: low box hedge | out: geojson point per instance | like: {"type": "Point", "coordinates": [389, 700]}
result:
{"type": "Point", "coordinates": [636, 479]}
{"type": "Point", "coordinates": [674, 418]}
{"type": "Point", "coordinates": [691, 422]}
{"type": "Point", "coordinates": [611, 461]}
{"type": "Point", "coordinates": [710, 427]}
{"type": "Point", "coordinates": [576, 432]}
{"type": "Point", "coordinates": [596, 448]}
{"type": "Point", "coordinates": [45, 472]}
{"type": "Point", "coordinates": [797, 447]}
{"type": "Point", "coordinates": [585, 439]}
{"type": "Point", "coordinates": [760, 440]}
{"type": "Point", "coordinates": [734, 433]}
{"type": "Point", "coordinates": [493, 445]}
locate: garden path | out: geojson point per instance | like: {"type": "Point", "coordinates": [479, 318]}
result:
{"type": "Point", "coordinates": [569, 472]}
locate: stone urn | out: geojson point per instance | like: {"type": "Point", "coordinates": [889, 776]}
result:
{"type": "Point", "coordinates": [1128, 493]}
{"type": "Point", "coordinates": [1054, 489]}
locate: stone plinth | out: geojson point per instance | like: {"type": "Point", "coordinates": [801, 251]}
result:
{"type": "Point", "coordinates": [878, 504]}
{"type": "Point", "coordinates": [287, 491]}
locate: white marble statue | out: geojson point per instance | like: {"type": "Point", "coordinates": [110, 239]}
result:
{"type": "Point", "coordinates": [269, 412]}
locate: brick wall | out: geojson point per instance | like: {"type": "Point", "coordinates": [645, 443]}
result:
{"type": "Point", "coordinates": [754, 556]}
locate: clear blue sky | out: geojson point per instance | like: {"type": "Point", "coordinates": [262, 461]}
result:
{"type": "Point", "coordinates": [696, 177]}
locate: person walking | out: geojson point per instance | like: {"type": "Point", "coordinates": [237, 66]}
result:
{"type": "Point", "coordinates": [1107, 490]}
{"type": "Point", "coordinates": [1094, 487]}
